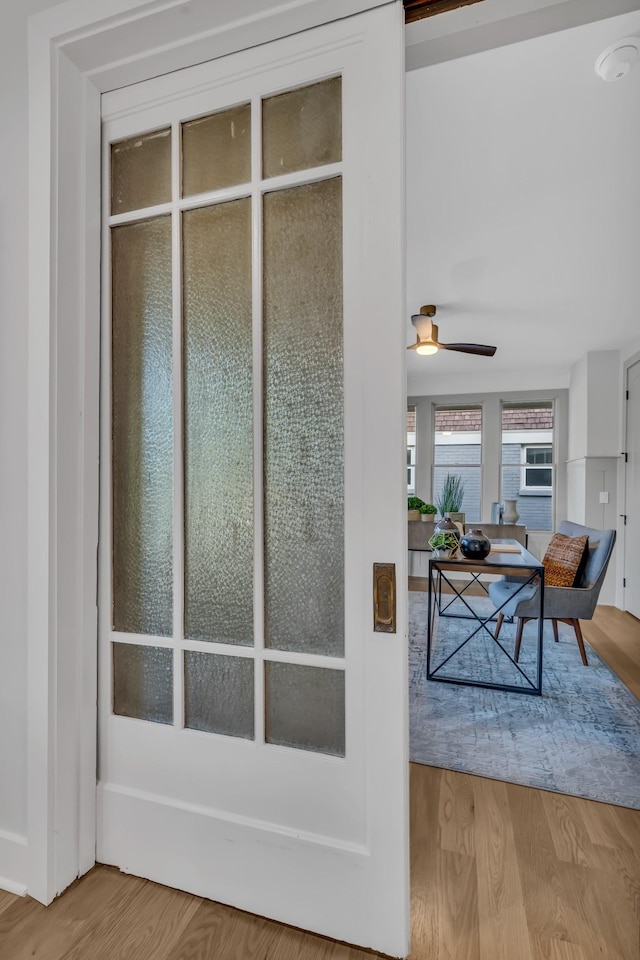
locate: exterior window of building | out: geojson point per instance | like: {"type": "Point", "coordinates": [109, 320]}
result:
{"type": "Point", "coordinates": [528, 461]}
{"type": "Point", "coordinates": [537, 474]}
{"type": "Point", "coordinates": [458, 451]}
{"type": "Point", "coordinates": [411, 451]}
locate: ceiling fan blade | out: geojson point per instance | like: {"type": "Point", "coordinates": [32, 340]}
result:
{"type": "Point", "coordinates": [478, 349]}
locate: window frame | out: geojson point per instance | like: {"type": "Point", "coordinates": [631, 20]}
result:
{"type": "Point", "coordinates": [491, 403]}
{"type": "Point", "coordinates": [526, 488]}
{"type": "Point", "coordinates": [412, 451]}
{"type": "Point", "coordinates": [524, 492]}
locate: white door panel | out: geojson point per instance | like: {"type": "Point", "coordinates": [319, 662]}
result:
{"type": "Point", "coordinates": [632, 496]}
{"type": "Point", "coordinates": [313, 834]}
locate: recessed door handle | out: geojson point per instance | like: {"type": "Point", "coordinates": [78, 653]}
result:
{"type": "Point", "coordinates": [384, 597]}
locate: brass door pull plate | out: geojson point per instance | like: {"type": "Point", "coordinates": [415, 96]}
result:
{"type": "Point", "coordinates": [384, 597]}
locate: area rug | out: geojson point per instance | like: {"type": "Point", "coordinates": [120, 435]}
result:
{"type": "Point", "coordinates": [581, 737]}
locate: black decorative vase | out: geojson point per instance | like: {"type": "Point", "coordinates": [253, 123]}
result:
{"type": "Point", "coordinates": [446, 525]}
{"type": "Point", "coordinates": [474, 545]}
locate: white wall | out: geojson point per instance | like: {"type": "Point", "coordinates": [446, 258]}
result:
{"type": "Point", "coordinates": [578, 410]}
{"type": "Point", "coordinates": [595, 388]}
{"type": "Point", "coordinates": [523, 187]}
{"type": "Point", "coordinates": [605, 388]}
{"type": "Point", "coordinates": [13, 413]}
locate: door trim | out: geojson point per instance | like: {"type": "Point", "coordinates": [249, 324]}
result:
{"type": "Point", "coordinates": [68, 70]}
{"type": "Point", "coordinates": [622, 486]}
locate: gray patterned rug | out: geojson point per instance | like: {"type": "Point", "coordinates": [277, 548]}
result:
{"type": "Point", "coordinates": [581, 737]}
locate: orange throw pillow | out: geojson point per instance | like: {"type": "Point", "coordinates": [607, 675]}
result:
{"type": "Point", "coordinates": [562, 560]}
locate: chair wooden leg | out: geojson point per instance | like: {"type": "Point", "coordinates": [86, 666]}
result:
{"type": "Point", "coordinates": [499, 623]}
{"type": "Point", "coordinates": [555, 630]}
{"type": "Point", "coordinates": [583, 652]}
{"type": "Point", "coordinates": [521, 623]}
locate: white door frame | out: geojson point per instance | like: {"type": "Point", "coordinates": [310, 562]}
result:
{"type": "Point", "coordinates": [77, 51]}
{"type": "Point", "coordinates": [621, 594]}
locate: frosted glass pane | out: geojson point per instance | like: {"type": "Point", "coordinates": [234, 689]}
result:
{"type": "Point", "coordinates": [305, 707]}
{"type": "Point", "coordinates": [143, 682]}
{"type": "Point", "coordinates": [218, 423]}
{"type": "Point", "coordinates": [303, 419]}
{"type": "Point", "coordinates": [216, 150]}
{"type": "Point", "coordinates": [142, 427]}
{"type": "Point", "coordinates": [219, 694]}
{"type": "Point", "coordinates": [302, 128]}
{"type": "Point", "coordinates": [141, 171]}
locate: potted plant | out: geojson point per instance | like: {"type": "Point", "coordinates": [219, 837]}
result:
{"type": "Point", "coordinates": [413, 505]}
{"type": "Point", "coordinates": [443, 544]}
{"type": "Point", "coordinates": [449, 500]}
{"type": "Point", "coordinates": [427, 512]}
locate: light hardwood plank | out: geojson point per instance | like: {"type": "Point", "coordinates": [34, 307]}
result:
{"type": "Point", "coordinates": [543, 877]}
{"type": "Point", "coordinates": [161, 918]}
{"type": "Point", "coordinates": [52, 932]}
{"type": "Point", "coordinates": [594, 869]}
{"type": "Point", "coordinates": [614, 847]}
{"type": "Point", "coordinates": [504, 933]}
{"type": "Point", "coordinates": [570, 837]}
{"type": "Point", "coordinates": [456, 813]}
{"type": "Point", "coordinates": [6, 899]}
{"type": "Point", "coordinates": [200, 940]}
{"type": "Point", "coordinates": [444, 903]}
{"type": "Point", "coordinates": [563, 950]}
{"type": "Point", "coordinates": [293, 944]}
{"type": "Point", "coordinates": [18, 920]}
{"type": "Point", "coordinates": [603, 826]}
{"type": "Point", "coordinates": [220, 932]}
{"type": "Point", "coordinates": [615, 636]}
{"type": "Point", "coordinates": [424, 800]}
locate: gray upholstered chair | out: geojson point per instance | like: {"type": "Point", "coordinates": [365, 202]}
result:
{"type": "Point", "coordinates": [564, 604]}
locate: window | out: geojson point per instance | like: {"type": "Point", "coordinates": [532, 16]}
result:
{"type": "Point", "coordinates": [527, 474]}
{"type": "Point", "coordinates": [411, 451]}
{"type": "Point", "coordinates": [537, 478]}
{"type": "Point", "coordinates": [458, 451]}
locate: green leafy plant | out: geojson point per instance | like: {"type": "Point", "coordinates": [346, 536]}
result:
{"type": "Point", "coordinates": [443, 540]}
{"type": "Point", "coordinates": [428, 508]}
{"type": "Point", "coordinates": [449, 500]}
{"type": "Point", "coordinates": [414, 503]}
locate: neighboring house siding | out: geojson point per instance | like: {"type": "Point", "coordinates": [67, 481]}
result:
{"type": "Point", "coordinates": [461, 454]}
{"type": "Point", "coordinates": [534, 510]}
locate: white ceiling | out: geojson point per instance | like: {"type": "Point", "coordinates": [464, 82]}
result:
{"type": "Point", "coordinates": [523, 212]}
{"type": "Point", "coordinates": [494, 23]}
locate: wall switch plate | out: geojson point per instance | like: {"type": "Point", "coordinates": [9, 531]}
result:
{"type": "Point", "coordinates": [604, 496]}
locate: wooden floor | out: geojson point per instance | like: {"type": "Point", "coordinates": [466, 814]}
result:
{"type": "Point", "coordinates": [616, 637]}
{"type": "Point", "coordinates": [498, 872]}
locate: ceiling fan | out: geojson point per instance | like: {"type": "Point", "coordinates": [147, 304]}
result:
{"type": "Point", "coordinates": [428, 342]}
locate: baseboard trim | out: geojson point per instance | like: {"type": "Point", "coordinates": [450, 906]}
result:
{"type": "Point", "coordinates": [13, 863]}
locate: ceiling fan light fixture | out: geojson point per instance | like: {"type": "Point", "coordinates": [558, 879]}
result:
{"type": "Point", "coordinates": [427, 348]}
{"type": "Point", "coordinates": [429, 342]}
